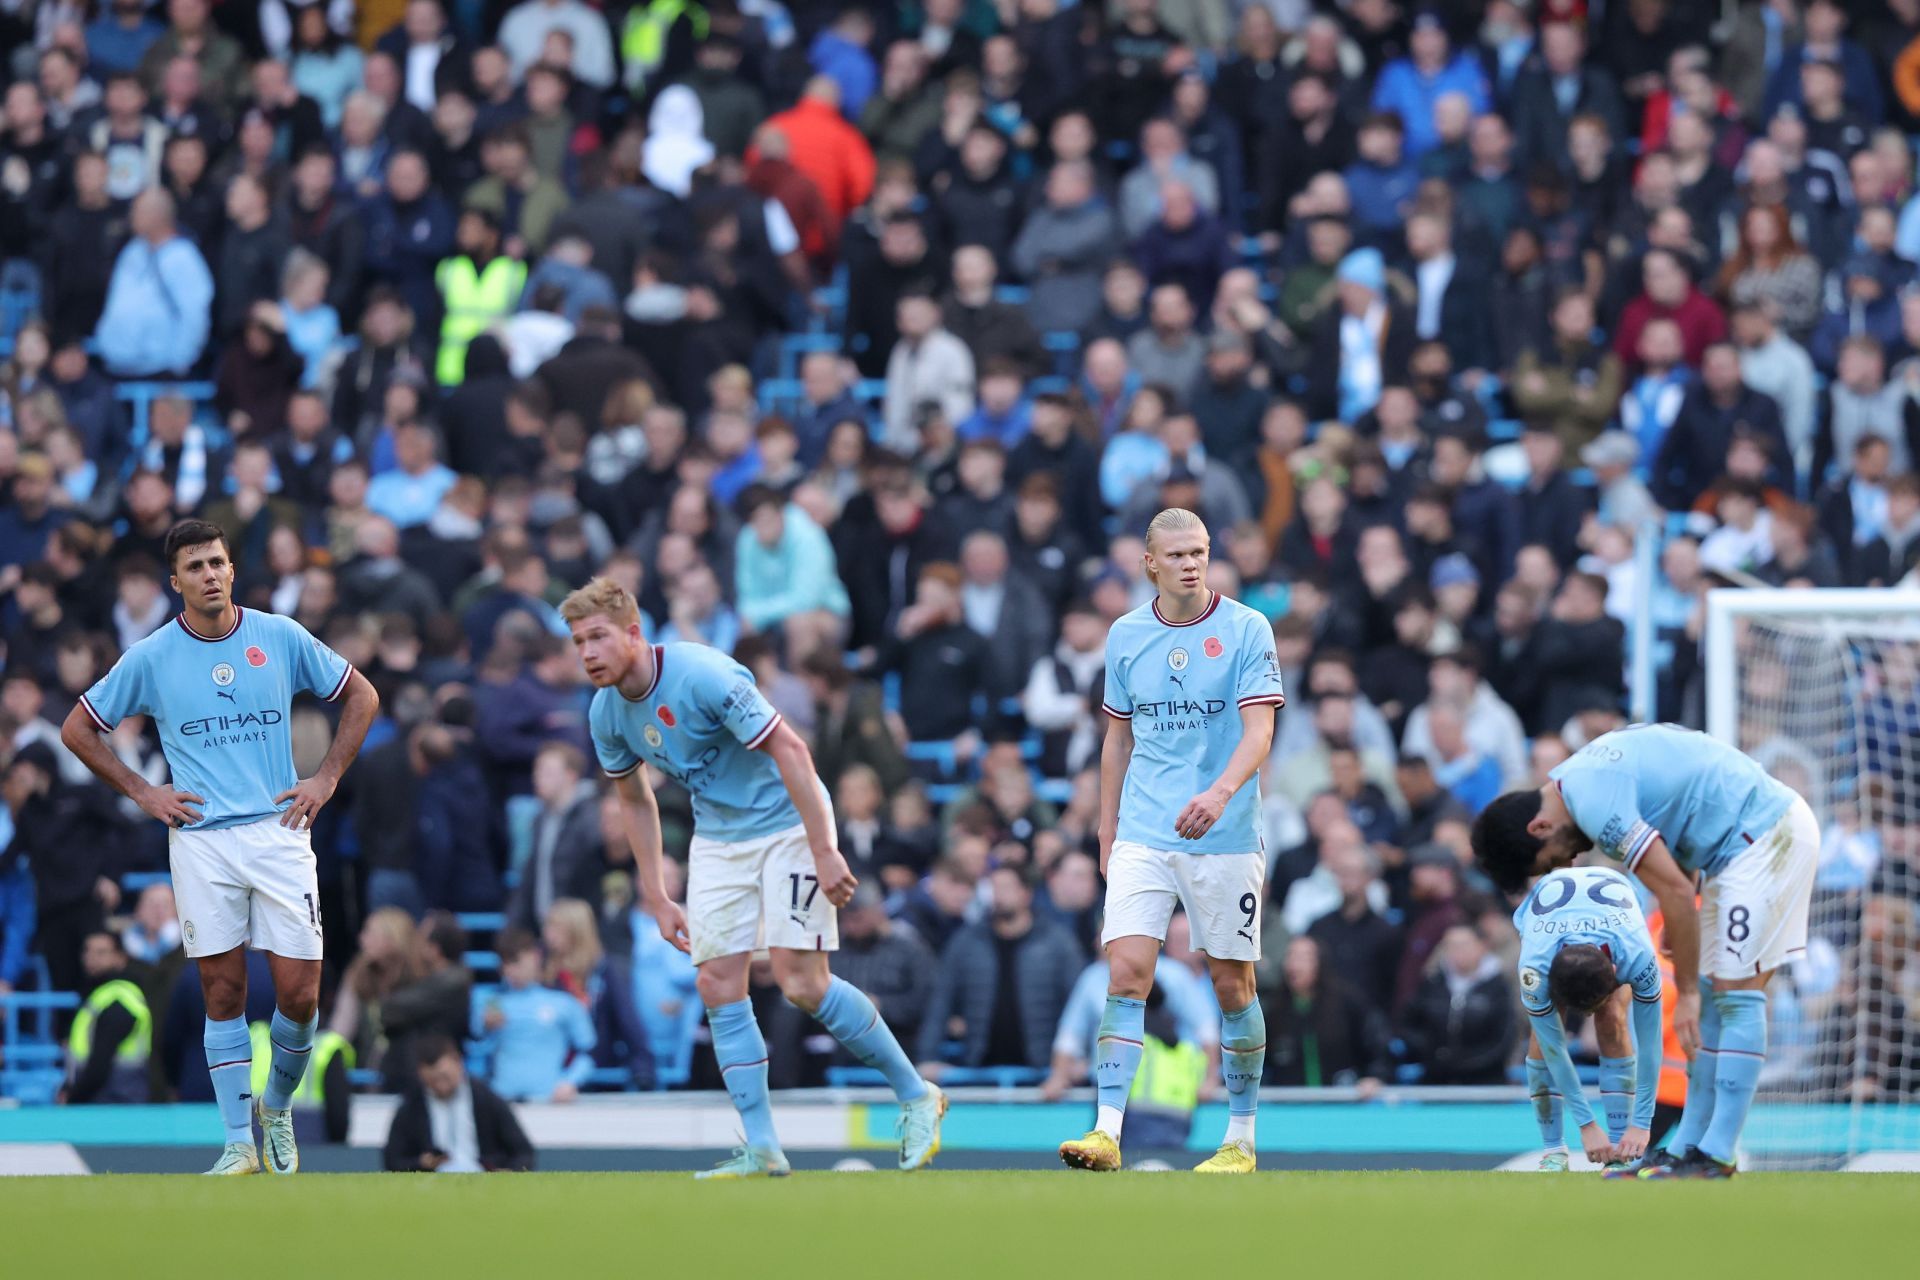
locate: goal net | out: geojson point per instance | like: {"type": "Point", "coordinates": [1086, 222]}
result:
{"type": "Point", "coordinates": [1823, 688]}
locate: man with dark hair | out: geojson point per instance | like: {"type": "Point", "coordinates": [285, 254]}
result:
{"type": "Point", "coordinates": [451, 1123]}
{"type": "Point", "coordinates": [219, 687]}
{"type": "Point", "coordinates": [1583, 943]}
{"type": "Point", "coordinates": [112, 1035]}
{"type": "Point", "coordinates": [1671, 805]}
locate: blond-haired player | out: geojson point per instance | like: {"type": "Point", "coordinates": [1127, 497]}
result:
{"type": "Point", "coordinates": [1192, 691]}
{"type": "Point", "coordinates": [763, 868]}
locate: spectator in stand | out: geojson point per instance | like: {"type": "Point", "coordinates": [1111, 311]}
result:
{"type": "Point", "coordinates": [566, 858]}
{"type": "Point", "coordinates": [826, 148]}
{"type": "Point", "coordinates": [1002, 986]}
{"type": "Point", "coordinates": [930, 371]}
{"type": "Point", "coordinates": [1063, 246]}
{"type": "Point", "coordinates": [786, 577]}
{"type": "Point", "coordinates": [942, 662]}
{"type": "Point", "coordinates": [1717, 410]}
{"type": "Point", "coordinates": [1320, 1032]}
{"type": "Point", "coordinates": [1774, 365]}
{"type": "Point", "coordinates": [158, 308]}
{"type": "Point", "coordinates": [449, 1122]}
{"type": "Point", "coordinates": [1860, 401]}
{"type": "Point", "coordinates": [1771, 270]}
{"type": "Point", "coordinates": [1669, 294]}
{"type": "Point", "coordinates": [1410, 86]}
{"type": "Point", "coordinates": [1459, 1026]}
{"type": "Point", "coordinates": [434, 1000]}
{"type": "Point", "coordinates": [1653, 401]}
{"type": "Point", "coordinates": [532, 1043]}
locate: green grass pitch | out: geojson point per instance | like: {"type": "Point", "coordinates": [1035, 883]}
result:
{"type": "Point", "coordinates": [986, 1226]}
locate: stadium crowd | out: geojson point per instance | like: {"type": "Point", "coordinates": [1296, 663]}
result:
{"type": "Point", "coordinates": [862, 342]}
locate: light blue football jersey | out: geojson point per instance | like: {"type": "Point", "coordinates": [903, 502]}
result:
{"type": "Point", "coordinates": [1710, 802]}
{"type": "Point", "coordinates": [1182, 686]}
{"type": "Point", "coordinates": [221, 705]}
{"type": "Point", "coordinates": [1589, 906]}
{"type": "Point", "coordinates": [698, 726]}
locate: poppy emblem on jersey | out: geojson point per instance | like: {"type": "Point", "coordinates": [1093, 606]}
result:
{"type": "Point", "coordinates": [222, 674]}
{"type": "Point", "coordinates": [1177, 659]}
{"type": "Point", "coordinates": [652, 735]}
{"type": "Point", "coordinates": [256, 656]}
{"type": "Point", "coordinates": [1213, 647]}
{"type": "Point", "coordinates": [666, 717]}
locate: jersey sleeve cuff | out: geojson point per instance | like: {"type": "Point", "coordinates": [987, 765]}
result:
{"type": "Point", "coordinates": [341, 687]}
{"type": "Point", "coordinates": [1115, 712]}
{"type": "Point", "coordinates": [1638, 849]}
{"type": "Point", "coordinates": [621, 773]}
{"type": "Point", "coordinates": [1264, 699]}
{"type": "Point", "coordinates": [765, 732]}
{"type": "Point", "coordinates": [99, 722]}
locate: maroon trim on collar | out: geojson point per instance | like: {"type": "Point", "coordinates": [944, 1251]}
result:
{"type": "Point", "coordinates": [181, 618]}
{"type": "Point", "coordinates": [659, 658]}
{"type": "Point", "coordinates": [1204, 613]}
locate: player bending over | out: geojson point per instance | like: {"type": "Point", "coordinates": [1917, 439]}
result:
{"type": "Point", "coordinates": [1192, 690]}
{"type": "Point", "coordinates": [763, 865]}
{"type": "Point", "coordinates": [1668, 803]}
{"type": "Point", "coordinates": [1585, 948]}
{"type": "Point", "coordinates": [219, 684]}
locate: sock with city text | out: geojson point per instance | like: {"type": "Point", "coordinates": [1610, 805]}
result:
{"type": "Point", "coordinates": [1243, 1056]}
{"type": "Point", "coordinates": [1116, 1058]}
{"type": "Point", "coordinates": [1743, 1052]}
{"type": "Point", "coordinates": [230, 1063]}
{"type": "Point", "coordinates": [850, 1016]}
{"type": "Point", "coordinates": [742, 1055]}
{"type": "Point", "coordinates": [292, 1042]}
{"type": "Point", "coordinates": [1546, 1105]}
{"type": "Point", "coordinates": [1616, 1094]}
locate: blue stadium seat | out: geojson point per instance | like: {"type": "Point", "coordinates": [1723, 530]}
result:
{"type": "Point", "coordinates": [1013, 295]}
{"type": "Point", "coordinates": [482, 921]}
{"type": "Point", "coordinates": [481, 962]}
{"type": "Point", "coordinates": [34, 1067]}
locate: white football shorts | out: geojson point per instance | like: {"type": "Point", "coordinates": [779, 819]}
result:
{"type": "Point", "coordinates": [1222, 893]}
{"type": "Point", "coordinates": [756, 893]}
{"type": "Point", "coordinates": [1753, 915]}
{"type": "Point", "coordinates": [254, 885]}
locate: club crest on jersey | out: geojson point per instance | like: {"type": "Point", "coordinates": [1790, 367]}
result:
{"type": "Point", "coordinates": [256, 656]}
{"type": "Point", "coordinates": [1213, 647]}
{"type": "Point", "coordinates": [222, 674]}
{"type": "Point", "coordinates": [1177, 659]}
{"type": "Point", "coordinates": [666, 717]}
{"type": "Point", "coordinates": [652, 735]}
{"type": "Point", "coordinates": [186, 931]}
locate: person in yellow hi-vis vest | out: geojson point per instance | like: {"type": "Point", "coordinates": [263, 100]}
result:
{"type": "Point", "coordinates": [1165, 1092]}
{"type": "Point", "coordinates": [657, 41]}
{"type": "Point", "coordinates": [112, 1035]}
{"type": "Point", "coordinates": [477, 287]}
{"type": "Point", "coordinates": [324, 1087]}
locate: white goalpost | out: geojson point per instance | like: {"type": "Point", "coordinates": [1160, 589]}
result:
{"type": "Point", "coordinates": [1823, 688]}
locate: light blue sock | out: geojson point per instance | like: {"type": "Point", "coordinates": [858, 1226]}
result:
{"type": "Point", "coordinates": [742, 1055]}
{"type": "Point", "coordinates": [1546, 1105]}
{"type": "Point", "coordinates": [292, 1042]}
{"type": "Point", "coordinates": [1616, 1094]}
{"type": "Point", "coordinates": [1743, 1051]}
{"type": "Point", "coordinates": [855, 1023]}
{"type": "Point", "coordinates": [1243, 1055]}
{"type": "Point", "coordinates": [1123, 1027]}
{"type": "Point", "coordinates": [230, 1063]}
{"type": "Point", "coordinates": [1698, 1113]}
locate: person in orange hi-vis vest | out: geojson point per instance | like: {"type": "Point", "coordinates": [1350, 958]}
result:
{"type": "Point", "coordinates": [1671, 1096]}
